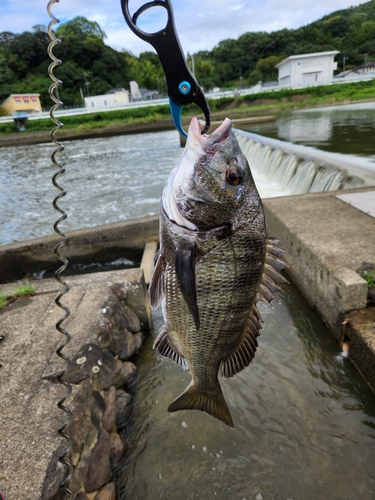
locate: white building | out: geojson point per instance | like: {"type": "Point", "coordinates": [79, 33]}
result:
{"type": "Point", "coordinates": [307, 69]}
{"type": "Point", "coordinates": [111, 99]}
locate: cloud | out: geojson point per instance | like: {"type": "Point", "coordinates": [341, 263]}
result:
{"type": "Point", "coordinates": [201, 24]}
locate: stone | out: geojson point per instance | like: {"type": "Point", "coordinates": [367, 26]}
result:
{"type": "Point", "coordinates": [99, 472]}
{"type": "Point", "coordinates": [82, 496]}
{"type": "Point", "coordinates": [80, 473]}
{"type": "Point", "coordinates": [124, 373]}
{"type": "Point", "coordinates": [124, 404]}
{"type": "Point", "coordinates": [138, 338]}
{"type": "Point", "coordinates": [105, 375]}
{"type": "Point", "coordinates": [128, 349]}
{"type": "Point", "coordinates": [86, 364]}
{"type": "Point", "coordinates": [108, 492]}
{"type": "Point", "coordinates": [132, 320]}
{"type": "Point", "coordinates": [118, 342]}
{"type": "Point", "coordinates": [78, 428]}
{"type": "Point", "coordinates": [112, 310]}
{"type": "Point", "coordinates": [118, 449]}
{"type": "Point", "coordinates": [56, 473]}
{"type": "Point", "coordinates": [109, 415]}
{"type": "Point", "coordinates": [104, 333]}
{"type": "Point", "coordinates": [119, 290]}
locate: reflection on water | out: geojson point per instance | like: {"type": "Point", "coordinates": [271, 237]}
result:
{"type": "Point", "coordinates": [304, 423]}
{"type": "Point", "coordinates": [347, 129]}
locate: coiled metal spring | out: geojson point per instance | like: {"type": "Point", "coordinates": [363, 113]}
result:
{"type": "Point", "coordinates": [64, 457]}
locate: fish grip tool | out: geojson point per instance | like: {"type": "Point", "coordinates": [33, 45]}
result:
{"type": "Point", "coordinates": [183, 88]}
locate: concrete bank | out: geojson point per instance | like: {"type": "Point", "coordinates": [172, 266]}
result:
{"type": "Point", "coordinates": [328, 241]}
{"type": "Point", "coordinates": [109, 319]}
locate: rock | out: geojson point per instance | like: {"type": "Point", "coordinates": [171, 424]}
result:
{"type": "Point", "coordinates": [119, 290]}
{"type": "Point", "coordinates": [124, 373]}
{"type": "Point", "coordinates": [132, 321]}
{"type": "Point", "coordinates": [118, 449]}
{"type": "Point", "coordinates": [112, 310]}
{"type": "Point", "coordinates": [104, 333]}
{"type": "Point", "coordinates": [80, 473]}
{"type": "Point", "coordinates": [105, 374]}
{"type": "Point", "coordinates": [86, 363]}
{"type": "Point", "coordinates": [78, 428]}
{"type": "Point", "coordinates": [124, 404]}
{"type": "Point", "coordinates": [108, 492]}
{"type": "Point", "coordinates": [128, 349]}
{"type": "Point", "coordinates": [99, 472]}
{"type": "Point", "coordinates": [109, 415]}
{"type": "Point", "coordinates": [82, 496]}
{"type": "Point", "coordinates": [56, 473]}
{"type": "Point", "coordinates": [118, 342]}
{"type": "Point", "coordinates": [138, 338]}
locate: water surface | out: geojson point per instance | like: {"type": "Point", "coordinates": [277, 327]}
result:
{"type": "Point", "coordinates": [304, 423]}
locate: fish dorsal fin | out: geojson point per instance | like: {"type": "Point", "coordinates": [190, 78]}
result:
{"type": "Point", "coordinates": [185, 272]}
{"type": "Point", "coordinates": [268, 287]}
{"type": "Point", "coordinates": [156, 289]}
{"type": "Point", "coordinates": [245, 350]}
{"type": "Point", "coordinates": [166, 349]}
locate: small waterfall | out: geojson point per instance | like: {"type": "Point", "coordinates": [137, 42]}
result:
{"type": "Point", "coordinates": [281, 168]}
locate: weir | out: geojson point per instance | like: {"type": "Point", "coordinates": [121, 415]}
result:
{"type": "Point", "coordinates": [282, 168]}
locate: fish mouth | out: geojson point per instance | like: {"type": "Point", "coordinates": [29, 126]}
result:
{"type": "Point", "coordinates": [208, 141]}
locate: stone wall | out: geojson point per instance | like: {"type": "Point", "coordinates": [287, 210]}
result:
{"type": "Point", "coordinates": [101, 375]}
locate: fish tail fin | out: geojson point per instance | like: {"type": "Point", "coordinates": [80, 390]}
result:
{"type": "Point", "coordinates": [213, 403]}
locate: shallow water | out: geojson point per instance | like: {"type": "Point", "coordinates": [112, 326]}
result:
{"type": "Point", "coordinates": [304, 423]}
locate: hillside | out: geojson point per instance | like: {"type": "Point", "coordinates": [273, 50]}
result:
{"type": "Point", "coordinates": [89, 64]}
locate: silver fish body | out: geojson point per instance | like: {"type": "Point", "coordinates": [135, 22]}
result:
{"type": "Point", "coordinates": [215, 263]}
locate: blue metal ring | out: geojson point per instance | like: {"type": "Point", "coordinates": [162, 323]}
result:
{"type": "Point", "coordinates": [184, 87]}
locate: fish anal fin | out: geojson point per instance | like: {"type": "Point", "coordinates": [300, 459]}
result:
{"type": "Point", "coordinates": [244, 352]}
{"type": "Point", "coordinates": [156, 289]}
{"type": "Point", "coordinates": [212, 403]}
{"type": "Point", "coordinates": [168, 350]}
{"type": "Point", "coordinates": [185, 272]}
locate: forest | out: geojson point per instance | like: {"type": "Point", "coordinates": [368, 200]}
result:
{"type": "Point", "coordinates": [94, 67]}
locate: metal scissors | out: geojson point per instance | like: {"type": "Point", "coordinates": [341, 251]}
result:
{"type": "Point", "coordinates": [183, 88]}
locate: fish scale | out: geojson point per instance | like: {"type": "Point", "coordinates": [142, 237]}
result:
{"type": "Point", "coordinates": [215, 263]}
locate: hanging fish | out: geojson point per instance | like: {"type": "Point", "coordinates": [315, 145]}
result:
{"type": "Point", "coordinates": [214, 264]}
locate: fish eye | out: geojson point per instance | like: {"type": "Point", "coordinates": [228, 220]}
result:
{"type": "Point", "coordinates": [233, 176]}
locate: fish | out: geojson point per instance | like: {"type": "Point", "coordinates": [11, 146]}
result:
{"type": "Point", "coordinates": [214, 264]}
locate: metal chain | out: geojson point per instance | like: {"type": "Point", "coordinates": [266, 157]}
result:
{"type": "Point", "coordinates": [64, 457]}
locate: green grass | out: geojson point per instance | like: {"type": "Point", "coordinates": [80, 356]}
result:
{"type": "Point", "coordinates": [370, 278]}
{"type": "Point", "coordinates": [22, 290]}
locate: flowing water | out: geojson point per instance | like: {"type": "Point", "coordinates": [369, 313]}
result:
{"type": "Point", "coordinates": [119, 178]}
{"type": "Point", "coordinates": [304, 423]}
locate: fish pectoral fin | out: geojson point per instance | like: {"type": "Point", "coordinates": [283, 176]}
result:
{"type": "Point", "coordinates": [213, 403]}
{"type": "Point", "coordinates": [271, 278]}
{"type": "Point", "coordinates": [156, 289]}
{"type": "Point", "coordinates": [244, 352]}
{"type": "Point", "coordinates": [166, 348]}
{"type": "Point", "coordinates": [185, 272]}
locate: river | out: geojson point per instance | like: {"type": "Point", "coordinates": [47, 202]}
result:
{"type": "Point", "coordinates": [119, 178]}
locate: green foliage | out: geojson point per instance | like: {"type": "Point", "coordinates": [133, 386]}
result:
{"type": "Point", "coordinates": [252, 57]}
{"type": "Point", "coordinates": [370, 278]}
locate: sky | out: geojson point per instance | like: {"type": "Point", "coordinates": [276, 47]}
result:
{"type": "Point", "coordinates": [201, 24]}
